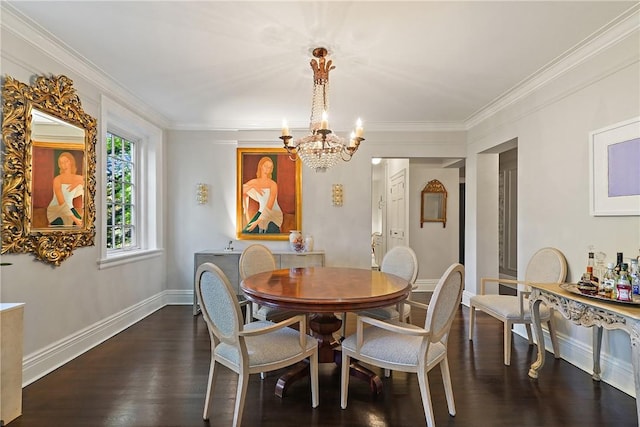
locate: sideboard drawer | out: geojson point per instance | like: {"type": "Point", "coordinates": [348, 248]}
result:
{"type": "Point", "coordinates": [301, 260]}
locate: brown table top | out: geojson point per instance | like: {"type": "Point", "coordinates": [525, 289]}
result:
{"type": "Point", "coordinates": [325, 289]}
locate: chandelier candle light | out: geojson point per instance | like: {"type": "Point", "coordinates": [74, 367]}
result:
{"type": "Point", "coordinates": [322, 148]}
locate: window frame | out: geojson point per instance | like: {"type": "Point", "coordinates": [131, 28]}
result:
{"type": "Point", "coordinates": [136, 220]}
{"type": "Point", "coordinates": [149, 183]}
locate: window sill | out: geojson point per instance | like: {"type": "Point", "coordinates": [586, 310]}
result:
{"type": "Point", "coordinates": [128, 257]}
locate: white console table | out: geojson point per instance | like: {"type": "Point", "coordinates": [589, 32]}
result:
{"type": "Point", "coordinates": [588, 312]}
{"type": "Point", "coordinates": [228, 262]}
{"type": "Point", "coordinates": [11, 328]}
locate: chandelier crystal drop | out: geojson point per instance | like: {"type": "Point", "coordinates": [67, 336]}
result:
{"type": "Point", "coordinates": [321, 149]}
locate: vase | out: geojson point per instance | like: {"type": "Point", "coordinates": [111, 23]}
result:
{"type": "Point", "coordinates": [308, 243]}
{"type": "Point", "coordinates": [296, 242]}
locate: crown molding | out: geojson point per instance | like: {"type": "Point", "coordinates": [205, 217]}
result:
{"type": "Point", "coordinates": [24, 28]}
{"type": "Point", "coordinates": [613, 32]}
{"type": "Point", "coordinates": [608, 35]}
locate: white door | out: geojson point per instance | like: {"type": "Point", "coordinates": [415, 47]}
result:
{"type": "Point", "coordinates": [397, 210]}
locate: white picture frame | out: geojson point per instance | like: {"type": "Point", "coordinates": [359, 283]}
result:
{"type": "Point", "coordinates": [614, 172]}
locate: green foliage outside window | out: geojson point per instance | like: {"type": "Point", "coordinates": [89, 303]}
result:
{"type": "Point", "coordinates": [120, 193]}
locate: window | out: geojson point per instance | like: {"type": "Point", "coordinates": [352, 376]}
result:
{"type": "Point", "coordinates": [121, 193]}
{"type": "Point", "coordinates": [131, 211]}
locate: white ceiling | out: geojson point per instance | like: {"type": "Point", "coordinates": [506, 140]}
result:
{"type": "Point", "coordinates": [245, 65]}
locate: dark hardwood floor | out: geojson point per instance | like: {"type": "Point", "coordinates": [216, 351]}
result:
{"type": "Point", "coordinates": [155, 372]}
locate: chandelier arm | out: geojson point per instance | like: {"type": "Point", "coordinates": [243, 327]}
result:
{"type": "Point", "coordinates": [345, 159]}
{"type": "Point", "coordinates": [321, 148]}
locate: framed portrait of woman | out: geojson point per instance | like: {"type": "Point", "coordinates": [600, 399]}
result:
{"type": "Point", "coordinates": [58, 186]}
{"type": "Point", "coordinates": [269, 203]}
{"type": "Point", "coordinates": [49, 169]}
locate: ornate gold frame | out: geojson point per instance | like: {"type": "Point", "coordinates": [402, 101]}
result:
{"type": "Point", "coordinates": [433, 203]}
{"type": "Point", "coordinates": [55, 96]}
{"type": "Point", "coordinates": [289, 182]}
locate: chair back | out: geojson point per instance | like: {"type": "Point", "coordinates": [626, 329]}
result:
{"type": "Point", "coordinates": [445, 301]}
{"type": "Point", "coordinates": [548, 265]}
{"type": "Point", "coordinates": [256, 259]}
{"type": "Point", "coordinates": [219, 304]}
{"type": "Point", "coordinates": [402, 262]}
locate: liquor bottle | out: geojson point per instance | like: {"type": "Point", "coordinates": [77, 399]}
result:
{"type": "Point", "coordinates": [601, 267]}
{"type": "Point", "coordinates": [624, 286]}
{"type": "Point", "coordinates": [591, 268]}
{"type": "Point", "coordinates": [618, 265]}
{"type": "Point", "coordinates": [634, 277]}
{"type": "Point", "coordinates": [608, 282]}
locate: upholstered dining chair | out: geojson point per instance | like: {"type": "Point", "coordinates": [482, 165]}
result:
{"type": "Point", "coordinates": [257, 258]}
{"type": "Point", "coordinates": [547, 265]}
{"type": "Point", "coordinates": [402, 262]}
{"type": "Point", "coordinates": [246, 349]}
{"type": "Point", "coordinates": [404, 347]}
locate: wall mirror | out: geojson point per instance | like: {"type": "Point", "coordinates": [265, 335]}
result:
{"type": "Point", "coordinates": [49, 163]}
{"type": "Point", "coordinates": [433, 206]}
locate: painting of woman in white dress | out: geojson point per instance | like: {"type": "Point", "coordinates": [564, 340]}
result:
{"type": "Point", "coordinates": [66, 206]}
{"type": "Point", "coordinates": [268, 205]}
{"type": "Point", "coordinates": [58, 187]}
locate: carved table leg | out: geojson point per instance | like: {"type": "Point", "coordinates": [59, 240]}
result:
{"type": "Point", "coordinates": [535, 314]}
{"type": "Point", "coordinates": [597, 345]}
{"type": "Point", "coordinates": [299, 370]}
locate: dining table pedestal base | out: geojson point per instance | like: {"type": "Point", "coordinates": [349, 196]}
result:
{"type": "Point", "coordinates": [326, 291]}
{"type": "Point", "coordinates": [323, 326]}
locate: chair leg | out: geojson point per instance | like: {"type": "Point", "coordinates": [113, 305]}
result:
{"type": "Point", "coordinates": [344, 379]}
{"type": "Point", "coordinates": [344, 326]}
{"type": "Point", "coordinates": [208, 400]}
{"type": "Point", "coordinates": [263, 375]}
{"type": "Point", "coordinates": [425, 392]}
{"type": "Point", "coordinates": [387, 373]}
{"type": "Point", "coordinates": [448, 388]}
{"type": "Point", "coordinates": [248, 313]}
{"type": "Point", "coordinates": [507, 343]}
{"type": "Point", "coordinates": [472, 321]}
{"type": "Point", "coordinates": [243, 382]}
{"type": "Point", "coordinates": [313, 367]}
{"type": "Point", "coordinates": [529, 335]}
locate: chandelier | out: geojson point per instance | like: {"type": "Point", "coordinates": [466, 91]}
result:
{"type": "Point", "coordinates": [321, 149]}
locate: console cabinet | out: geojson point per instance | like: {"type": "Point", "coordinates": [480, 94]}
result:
{"type": "Point", "coordinates": [228, 262]}
{"type": "Point", "coordinates": [11, 344]}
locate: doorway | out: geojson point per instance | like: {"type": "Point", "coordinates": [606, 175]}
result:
{"type": "Point", "coordinates": [508, 213]}
{"type": "Point", "coordinates": [389, 207]}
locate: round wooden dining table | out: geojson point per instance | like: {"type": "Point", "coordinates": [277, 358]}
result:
{"type": "Point", "coordinates": [322, 292]}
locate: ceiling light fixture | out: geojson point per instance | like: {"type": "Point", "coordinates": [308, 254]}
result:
{"type": "Point", "coordinates": [322, 148]}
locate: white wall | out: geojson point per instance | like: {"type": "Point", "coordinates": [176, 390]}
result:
{"type": "Point", "coordinates": [436, 246]}
{"type": "Point", "coordinates": [344, 233]}
{"type": "Point", "coordinates": [75, 306]}
{"type": "Point", "coordinates": [552, 125]}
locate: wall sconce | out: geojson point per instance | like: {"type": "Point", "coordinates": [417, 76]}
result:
{"type": "Point", "coordinates": [202, 193]}
{"type": "Point", "coordinates": [337, 194]}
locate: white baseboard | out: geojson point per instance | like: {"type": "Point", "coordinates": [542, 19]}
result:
{"type": "Point", "coordinates": [41, 362]}
{"type": "Point", "coordinates": [616, 373]}
{"type": "Point", "coordinates": [37, 364]}
{"type": "Point", "coordinates": [426, 285]}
